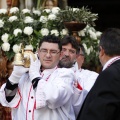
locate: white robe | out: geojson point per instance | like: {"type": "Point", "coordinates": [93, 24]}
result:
{"type": "Point", "coordinates": [51, 101]}
{"type": "Point", "coordinates": [86, 79]}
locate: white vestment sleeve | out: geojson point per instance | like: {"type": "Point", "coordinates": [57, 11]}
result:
{"type": "Point", "coordinates": [57, 90]}
{"type": "Point", "coordinates": [14, 103]}
{"type": "Point", "coordinates": [76, 98]}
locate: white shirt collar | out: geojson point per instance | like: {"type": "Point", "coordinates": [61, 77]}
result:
{"type": "Point", "coordinates": [75, 67]}
{"type": "Point", "coordinates": [49, 71]}
{"type": "Point", "coordinates": [109, 62]}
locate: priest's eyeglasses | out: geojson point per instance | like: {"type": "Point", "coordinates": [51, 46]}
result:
{"type": "Point", "coordinates": [51, 52]}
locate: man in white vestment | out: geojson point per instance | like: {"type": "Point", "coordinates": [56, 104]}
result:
{"type": "Point", "coordinates": [43, 91]}
{"type": "Point", "coordinates": [85, 77]}
{"type": "Point", "coordinates": [73, 57]}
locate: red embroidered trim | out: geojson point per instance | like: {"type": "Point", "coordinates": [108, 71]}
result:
{"type": "Point", "coordinates": [113, 61]}
{"type": "Point", "coordinates": [79, 86]}
{"type": "Point", "coordinates": [19, 100]}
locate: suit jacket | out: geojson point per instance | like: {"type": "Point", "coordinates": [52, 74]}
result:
{"type": "Point", "coordinates": [103, 100]}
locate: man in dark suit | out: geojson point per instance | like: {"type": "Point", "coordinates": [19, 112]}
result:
{"type": "Point", "coordinates": [103, 100]}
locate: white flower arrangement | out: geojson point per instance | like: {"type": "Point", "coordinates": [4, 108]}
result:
{"type": "Point", "coordinates": [28, 47]}
{"type": "Point", "coordinates": [6, 46]}
{"type": "Point", "coordinates": [14, 10]}
{"type": "Point", "coordinates": [28, 30]}
{"type": "Point", "coordinates": [3, 11]}
{"type": "Point", "coordinates": [54, 32]}
{"type": "Point", "coordinates": [1, 23]}
{"type": "Point", "coordinates": [27, 27]}
{"type": "Point", "coordinates": [90, 40]}
{"type": "Point", "coordinates": [17, 31]}
{"type": "Point", "coordinates": [4, 38]}
{"type": "Point", "coordinates": [16, 48]}
{"type": "Point", "coordinates": [44, 31]}
{"type": "Point", "coordinates": [12, 18]}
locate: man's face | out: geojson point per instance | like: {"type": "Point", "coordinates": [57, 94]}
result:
{"type": "Point", "coordinates": [49, 55]}
{"type": "Point", "coordinates": [68, 56]}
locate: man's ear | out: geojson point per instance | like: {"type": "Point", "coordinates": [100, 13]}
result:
{"type": "Point", "coordinates": [102, 51]}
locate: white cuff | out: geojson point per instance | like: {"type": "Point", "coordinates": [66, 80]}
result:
{"type": "Point", "coordinates": [14, 78]}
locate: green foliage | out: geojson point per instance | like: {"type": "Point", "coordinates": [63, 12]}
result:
{"type": "Point", "coordinates": [44, 22]}
{"type": "Point", "coordinates": [83, 15]}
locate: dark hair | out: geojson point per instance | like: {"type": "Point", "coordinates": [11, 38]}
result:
{"type": "Point", "coordinates": [110, 41]}
{"type": "Point", "coordinates": [70, 39]}
{"type": "Point", "coordinates": [51, 39]}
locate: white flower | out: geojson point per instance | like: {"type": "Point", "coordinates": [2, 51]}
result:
{"type": "Point", "coordinates": [75, 9]}
{"type": "Point", "coordinates": [6, 46]}
{"type": "Point", "coordinates": [28, 47]}
{"type": "Point", "coordinates": [25, 11]}
{"type": "Point", "coordinates": [47, 10]}
{"type": "Point", "coordinates": [28, 30]}
{"type": "Point", "coordinates": [4, 37]}
{"type": "Point", "coordinates": [98, 33]}
{"type": "Point", "coordinates": [92, 34]}
{"type": "Point", "coordinates": [51, 17]}
{"type": "Point", "coordinates": [91, 48]}
{"type": "Point", "coordinates": [86, 29]}
{"type": "Point", "coordinates": [37, 12]}
{"type": "Point", "coordinates": [88, 51]}
{"type": "Point", "coordinates": [64, 32]}
{"type": "Point", "coordinates": [54, 32]}
{"type": "Point", "coordinates": [55, 10]}
{"type": "Point", "coordinates": [14, 10]}
{"type": "Point", "coordinates": [1, 23]}
{"type": "Point", "coordinates": [3, 11]}
{"type": "Point", "coordinates": [85, 46]}
{"type": "Point", "coordinates": [12, 18]}
{"type": "Point", "coordinates": [43, 19]}
{"type": "Point", "coordinates": [16, 31]}
{"type": "Point", "coordinates": [81, 33]}
{"type": "Point", "coordinates": [98, 41]}
{"type": "Point", "coordinates": [44, 31]}
{"type": "Point", "coordinates": [28, 19]}
{"type": "Point", "coordinates": [16, 48]}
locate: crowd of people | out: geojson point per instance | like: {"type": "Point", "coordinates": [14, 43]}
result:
{"type": "Point", "coordinates": [55, 86]}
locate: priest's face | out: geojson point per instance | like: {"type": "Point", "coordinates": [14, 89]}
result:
{"type": "Point", "coordinates": [68, 56]}
{"type": "Point", "coordinates": [49, 55]}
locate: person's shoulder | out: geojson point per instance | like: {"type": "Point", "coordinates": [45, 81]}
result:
{"type": "Point", "coordinates": [109, 75]}
{"type": "Point", "coordinates": [111, 71]}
